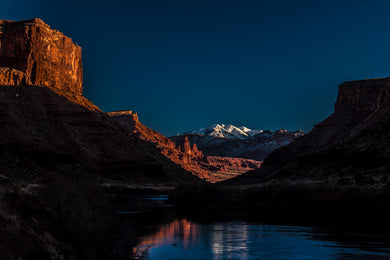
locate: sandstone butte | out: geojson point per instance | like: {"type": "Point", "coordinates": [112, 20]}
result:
{"type": "Point", "coordinates": [33, 54]}
{"type": "Point", "coordinates": [350, 147]}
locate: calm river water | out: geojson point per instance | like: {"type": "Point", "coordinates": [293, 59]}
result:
{"type": "Point", "coordinates": [185, 239]}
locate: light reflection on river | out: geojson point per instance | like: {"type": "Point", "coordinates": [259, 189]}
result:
{"type": "Point", "coordinates": [183, 239]}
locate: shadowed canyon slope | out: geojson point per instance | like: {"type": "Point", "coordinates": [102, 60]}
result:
{"type": "Point", "coordinates": [65, 166]}
{"type": "Point", "coordinates": [210, 168]}
{"type": "Point", "coordinates": [33, 54]}
{"type": "Point", "coordinates": [352, 146]}
{"type": "Point", "coordinates": [40, 125]}
{"type": "Point", "coordinates": [57, 119]}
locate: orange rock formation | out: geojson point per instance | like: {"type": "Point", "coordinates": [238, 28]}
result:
{"type": "Point", "coordinates": [210, 168]}
{"type": "Point", "coordinates": [31, 53]}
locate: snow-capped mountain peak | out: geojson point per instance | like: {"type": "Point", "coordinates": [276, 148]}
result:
{"type": "Point", "coordinates": [250, 132]}
{"type": "Point", "coordinates": [226, 131]}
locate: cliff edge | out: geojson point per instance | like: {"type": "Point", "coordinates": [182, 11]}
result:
{"type": "Point", "coordinates": [351, 146]}
{"type": "Point", "coordinates": [186, 153]}
{"type": "Point", "coordinates": [31, 53]}
{"type": "Point", "coordinates": [66, 167]}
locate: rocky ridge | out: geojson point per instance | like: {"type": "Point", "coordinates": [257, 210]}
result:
{"type": "Point", "coordinates": [350, 147]}
{"type": "Point", "coordinates": [65, 166]}
{"type": "Point", "coordinates": [210, 168]}
{"type": "Point", "coordinates": [225, 131]}
{"type": "Point", "coordinates": [31, 53]}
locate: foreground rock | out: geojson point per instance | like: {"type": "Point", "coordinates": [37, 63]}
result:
{"type": "Point", "coordinates": [210, 168]}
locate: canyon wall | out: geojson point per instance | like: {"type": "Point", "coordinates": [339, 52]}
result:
{"type": "Point", "coordinates": [351, 146]}
{"type": "Point", "coordinates": [210, 168]}
{"type": "Point", "coordinates": [31, 53]}
{"type": "Point", "coordinates": [64, 164]}
{"type": "Point", "coordinates": [66, 168]}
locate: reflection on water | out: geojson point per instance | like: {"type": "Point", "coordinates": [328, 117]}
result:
{"type": "Point", "coordinates": [183, 239]}
{"type": "Point", "coordinates": [182, 230]}
{"type": "Point", "coordinates": [222, 233]}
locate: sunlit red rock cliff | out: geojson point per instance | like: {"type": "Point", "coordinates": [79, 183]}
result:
{"type": "Point", "coordinates": [210, 168]}
{"type": "Point", "coordinates": [45, 116]}
{"type": "Point", "coordinates": [32, 56]}
{"type": "Point", "coordinates": [31, 53]}
{"type": "Point", "coordinates": [61, 158]}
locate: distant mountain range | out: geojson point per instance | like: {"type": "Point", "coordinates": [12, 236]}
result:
{"type": "Point", "coordinates": [243, 142]}
{"type": "Point", "coordinates": [225, 131]}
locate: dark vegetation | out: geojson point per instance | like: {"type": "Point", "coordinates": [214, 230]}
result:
{"type": "Point", "coordinates": [72, 217]}
{"type": "Point", "coordinates": [59, 161]}
{"type": "Point", "coordinates": [69, 218]}
{"type": "Point", "coordinates": [80, 219]}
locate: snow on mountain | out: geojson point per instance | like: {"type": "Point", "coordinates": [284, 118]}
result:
{"type": "Point", "coordinates": [241, 142]}
{"type": "Point", "coordinates": [226, 131]}
{"type": "Point", "coordinates": [250, 132]}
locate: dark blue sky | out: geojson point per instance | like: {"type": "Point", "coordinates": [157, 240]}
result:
{"type": "Point", "coordinates": [187, 64]}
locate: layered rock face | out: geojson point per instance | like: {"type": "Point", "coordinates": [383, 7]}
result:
{"type": "Point", "coordinates": [210, 168]}
{"type": "Point", "coordinates": [46, 112]}
{"type": "Point", "coordinates": [363, 95]}
{"type": "Point", "coordinates": [63, 163]}
{"type": "Point", "coordinates": [352, 146]}
{"type": "Point", "coordinates": [31, 53]}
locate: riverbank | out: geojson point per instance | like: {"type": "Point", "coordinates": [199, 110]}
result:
{"type": "Point", "coordinates": [290, 203]}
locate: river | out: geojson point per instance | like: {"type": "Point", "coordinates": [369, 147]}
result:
{"type": "Point", "coordinates": [181, 238]}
